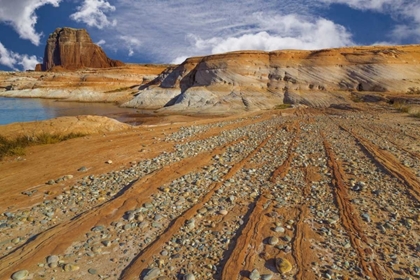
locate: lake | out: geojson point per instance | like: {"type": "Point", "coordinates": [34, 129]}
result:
{"type": "Point", "coordinates": [36, 109]}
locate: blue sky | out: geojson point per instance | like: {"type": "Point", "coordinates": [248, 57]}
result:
{"type": "Point", "coordinates": [168, 31]}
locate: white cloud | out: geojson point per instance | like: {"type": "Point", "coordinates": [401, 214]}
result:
{"type": "Point", "coordinates": [20, 14]}
{"type": "Point", "coordinates": [130, 43]}
{"type": "Point", "coordinates": [377, 5]}
{"type": "Point", "coordinates": [288, 32]}
{"type": "Point", "coordinates": [93, 13]}
{"type": "Point", "coordinates": [407, 11]}
{"type": "Point", "coordinates": [170, 30]}
{"type": "Point", "coordinates": [28, 62]}
{"type": "Point", "coordinates": [179, 59]}
{"type": "Point", "coordinates": [7, 58]}
{"type": "Point", "coordinates": [101, 42]}
{"type": "Point", "coordinates": [12, 59]}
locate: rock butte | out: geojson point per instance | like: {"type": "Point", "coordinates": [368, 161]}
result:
{"type": "Point", "coordinates": [71, 49]}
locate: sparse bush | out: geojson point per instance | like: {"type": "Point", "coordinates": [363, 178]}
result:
{"type": "Point", "coordinates": [16, 147]}
{"type": "Point", "coordinates": [355, 98]}
{"type": "Point", "coordinates": [282, 106]}
{"type": "Point", "coordinates": [415, 115]}
{"type": "Point", "coordinates": [413, 90]}
{"type": "Point", "coordinates": [121, 89]}
{"type": "Point", "coordinates": [401, 106]}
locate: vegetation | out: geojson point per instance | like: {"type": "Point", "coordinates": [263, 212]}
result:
{"type": "Point", "coordinates": [16, 147]}
{"type": "Point", "coordinates": [356, 98]}
{"type": "Point", "coordinates": [413, 90]}
{"type": "Point", "coordinates": [401, 106]}
{"type": "Point", "coordinates": [282, 106]}
{"type": "Point", "coordinates": [121, 89]}
{"type": "Point", "coordinates": [415, 115]}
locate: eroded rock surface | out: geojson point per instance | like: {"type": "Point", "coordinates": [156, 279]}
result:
{"type": "Point", "coordinates": [250, 80]}
{"type": "Point", "coordinates": [73, 49]}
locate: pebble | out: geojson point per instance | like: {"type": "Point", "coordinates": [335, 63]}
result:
{"type": "Point", "coordinates": [92, 271]}
{"type": "Point", "coordinates": [223, 212]}
{"type": "Point", "coordinates": [255, 275]}
{"type": "Point", "coordinates": [109, 161]}
{"type": "Point", "coordinates": [152, 274]}
{"type": "Point", "coordinates": [20, 275]}
{"type": "Point", "coordinates": [273, 240]}
{"type": "Point", "coordinates": [266, 276]}
{"type": "Point", "coordinates": [279, 229]}
{"type": "Point", "coordinates": [52, 261]}
{"type": "Point", "coordinates": [189, 276]}
{"type": "Point", "coordinates": [366, 217]}
{"type": "Point", "coordinates": [71, 267]}
{"type": "Point", "coordinates": [82, 169]}
{"type": "Point", "coordinates": [283, 265]}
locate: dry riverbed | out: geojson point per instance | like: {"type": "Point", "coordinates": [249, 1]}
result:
{"type": "Point", "coordinates": [283, 194]}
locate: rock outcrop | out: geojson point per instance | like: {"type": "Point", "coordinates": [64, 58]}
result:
{"type": "Point", "coordinates": [73, 49]}
{"type": "Point", "coordinates": [251, 80]}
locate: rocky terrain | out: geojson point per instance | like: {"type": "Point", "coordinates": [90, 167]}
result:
{"type": "Point", "coordinates": [299, 193]}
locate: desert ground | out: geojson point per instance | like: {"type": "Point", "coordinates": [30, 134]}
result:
{"type": "Point", "coordinates": [300, 193]}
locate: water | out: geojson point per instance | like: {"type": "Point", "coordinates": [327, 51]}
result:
{"type": "Point", "coordinates": [34, 109]}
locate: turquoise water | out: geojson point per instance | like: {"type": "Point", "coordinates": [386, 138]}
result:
{"type": "Point", "coordinates": [35, 109]}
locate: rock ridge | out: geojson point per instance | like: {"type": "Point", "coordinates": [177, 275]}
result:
{"type": "Point", "coordinates": [253, 80]}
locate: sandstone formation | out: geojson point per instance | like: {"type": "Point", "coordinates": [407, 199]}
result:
{"type": "Point", "coordinates": [72, 49]}
{"type": "Point", "coordinates": [250, 80]}
{"type": "Point", "coordinates": [116, 84]}
{"type": "Point", "coordinates": [63, 126]}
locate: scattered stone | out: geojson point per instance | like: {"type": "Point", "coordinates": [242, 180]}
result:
{"type": "Point", "coordinates": [52, 261]}
{"type": "Point", "coordinates": [152, 274]}
{"type": "Point", "coordinates": [68, 267]}
{"type": "Point", "coordinates": [366, 217]}
{"type": "Point", "coordinates": [82, 169]}
{"type": "Point", "coordinates": [255, 275]}
{"type": "Point", "coordinates": [189, 276]}
{"type": "Point", "coordinates": [283, 265]}
{"type": "Point", "coordinates": [223, 212]}
{"type": "Point", "coordinates": [92, 271]}
{"type": "Point", "coordinates": [109, 161]}
{"type": "Point", "coordinates": [20, 275]}
{"type": "Point", "coordinates": [273, 240]}
{"type": "Point", "coordinates": [279, 229]}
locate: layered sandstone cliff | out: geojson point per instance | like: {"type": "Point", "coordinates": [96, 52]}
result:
{"type": "Point", "coordinates": [251, 80]}
{"type": "Point", "coordinates": [73, 49]}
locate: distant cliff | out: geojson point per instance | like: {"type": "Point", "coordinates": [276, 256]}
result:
{"type": "Point", "coordinates": [249, 80]}
{"type": "Point", "coordinates": [72, 49]}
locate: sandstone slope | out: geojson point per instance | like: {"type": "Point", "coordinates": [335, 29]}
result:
{"type": "Point", "coordinates": [249, 80]}
{"type": "Point", "coordinates": [63, 126]}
